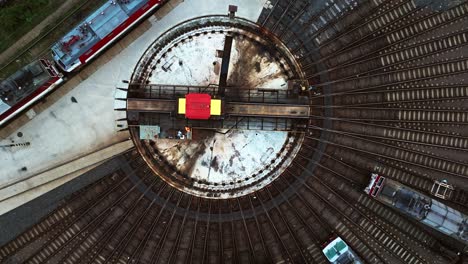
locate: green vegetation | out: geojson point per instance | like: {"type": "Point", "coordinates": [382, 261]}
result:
{"type": "Point", "coordinates": [19, 17]}
{"type": "Point", "coordinates": [40, 47]}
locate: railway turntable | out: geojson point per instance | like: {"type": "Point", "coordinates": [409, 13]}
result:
{"type": "Point", "coordinates": [219, 111]}
{"type": "Point", "coordinates": [281, 112]}
{"type": "Point", "coordinates": [253, 141]}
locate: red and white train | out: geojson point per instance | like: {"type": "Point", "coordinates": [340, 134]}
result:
{"type": "Point", "coordinates": [26, 86]}
{"type": "Point", "coordinates": [83, 43]}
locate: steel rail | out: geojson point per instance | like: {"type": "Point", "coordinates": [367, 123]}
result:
{"type": "Point", "coordinates": [356, 43]}
{"type": "Point", "coordinates": [391, 158]}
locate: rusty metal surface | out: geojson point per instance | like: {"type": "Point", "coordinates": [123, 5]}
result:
{"type": "Point", "coordinates": [231, 108]}
{"type": "Point", "coordinates": [138, 217]}
{"type": "Point", "coordinates": [248, 146]}
{"type": "Point", "coordinates": [267, 110]}
{"type": "Point", "coordinates": [151, 105]}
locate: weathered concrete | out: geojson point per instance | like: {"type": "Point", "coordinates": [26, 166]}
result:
{"type": "Point", "coordinates": [61, 130]}
{"type": "Point", "coordinates": [18, 193]}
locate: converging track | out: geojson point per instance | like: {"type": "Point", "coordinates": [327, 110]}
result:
{"type": "Point", "coordinates": [388, 94]}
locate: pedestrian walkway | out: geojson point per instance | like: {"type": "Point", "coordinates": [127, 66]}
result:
{"type": "Point", "coordinates": [15, 194]}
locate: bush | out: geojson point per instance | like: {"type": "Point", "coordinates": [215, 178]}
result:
{"type": "Point", "coordinates": [19, 14]}
{"type": "Point", "coordinates": [4, 2]}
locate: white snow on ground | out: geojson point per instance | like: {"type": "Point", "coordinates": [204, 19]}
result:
{"type": "Point", "coordinates": [191, 63]}
{"type": "Point", "coordinates": [238, 155]}
{"type": "Point", "coordinates": [68, 130]}
{"type": "Point", "coordinates": [195, 62]}
{"type": "Point", "coordinates": [235, 156]}
{"type": "Point", "coordinates": [247, 53]}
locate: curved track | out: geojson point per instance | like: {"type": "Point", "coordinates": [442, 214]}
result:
{"type": "Point", "coordinates": [389, 95]}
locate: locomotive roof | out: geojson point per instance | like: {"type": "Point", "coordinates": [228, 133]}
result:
{"type": "Point", "coordinates": [91, 30]}
{"type": "Point", "coordinates": [21, 84]}
{"type": "Point", "coordinates": [334, 249]}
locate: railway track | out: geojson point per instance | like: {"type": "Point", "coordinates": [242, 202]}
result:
{"type": "Point", "coordinates": [364, 219]}
{"type": "Point", "coordinates": [127, 211]}
{"type": "Point", "coordinates": [388, 95]}
{"type": "Point", "coordinates": [388, 84]}
{"type": "Point", "coordinates": [280, 234]}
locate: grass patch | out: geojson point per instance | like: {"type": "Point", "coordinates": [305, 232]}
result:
{"type": "Point", "coordinates": [19, 17]}
{"type": "Point", "coordinates": [40, 47]}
